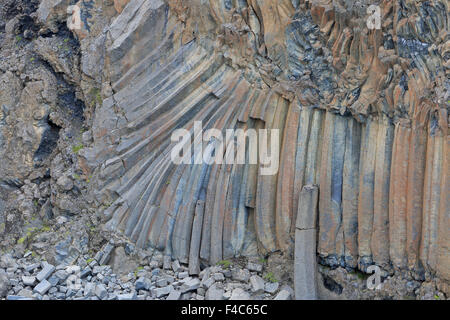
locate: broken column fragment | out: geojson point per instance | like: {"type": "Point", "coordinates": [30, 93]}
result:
{"type": "Point", "coordinates": [305, 265]}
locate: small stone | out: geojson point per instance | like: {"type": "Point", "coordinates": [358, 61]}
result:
{"type": "Point", "coordinates": [227, 273]}
{"type": "Point", "coordinates": [167, 263]}
{"type": "Point", "coordinates": [129, 248]}
{"type": "Point", "coordinates": [97, 270]}
{"type": "Point", "coordinates": [70, 293]}
{"type": "Point", "coordinates": [160, 292]}
{"type": "Point", "coordinates": [42, 287]}
{"type": "Point", "coordinates": [187, 296]}
{"type": "Point", "coordinates": [62, 275]}
{"type": "Point", "coordinates": [241, 275]}
{"type": "Point", "coordinates": [26, 293]}
{"type": "Point", "coordinates": [170, 279]}
{"type": "Point", "coordinates": [61, 220]}
{"type": "Point", "coordinates": [127, 296]}
{"type": "Point", "coordinates": [65, 183]}
{"type": "Point", "coordinates": [156, 272]}
{"type": "Point", "coordinates": [32, 267]}
{"type": "Point", "coordinates": [60, 295]}
{"type": "Point", "coordinates": [203, 273]}
{"type": "Point", "coordinates": [288, 289]}
{"type": "Point", "coordinates": [207, 282]}
{"type": "Point", "coordinates": [46, 272]}
{"type": "Point", "coordinates": [174, 295]}
{"type": "Point", "coordinates": [271, 287]}
{"type": "Point", "coordinates": [283, 295]}
{"type": "Point", "coordinates": [257, 284]}
{"type": "Point", "coordinates": [28, 281]}
{"type": "Point", "coordinates": [89, 289]}
{"type": "Point", "coordinates": [215, 292]}
{"type": "Point", "coordinates": [182, 275]}
{"type": "Point", "coordinates": [161, 282]}
{"type": "Point", "coordinates": [93, 263]}
{"type": "Point", "coordinates": [86, 271]}
{"type": "Point", "coordinates": [254, 266]}
{"type": "Point", "coordinates": [106, 254]}
{"type": "Point", "coordinates": [53, 290]}
{"type": "Point", "coordinates": [201, 291]}
{"type": "Point", "coordinates": [87, 137]}
{"type": "Point", "coordinates": [239, 294]}
{"type": "Point", "coordinates": [142, 284]}
{"type": "Point", "coordinates": [227, 295]}
{"type": "Point", "coordinates": [28, 34]}
{"type": "Point", "coordinates": [37, 296]}
{"type": "Point", "coordinates": [176, 266]}
{"type": "Point", "coordinates": [190, 285]}
{"type": "Point", "coordinates": [53, 280]}
{"type": "Point", "coordinates": [219, 276]}
{"type": "Point", "coordinates": [101, 292]}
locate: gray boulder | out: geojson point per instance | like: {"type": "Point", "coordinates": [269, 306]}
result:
{"type": "Point", "coordinates": [4, 284]}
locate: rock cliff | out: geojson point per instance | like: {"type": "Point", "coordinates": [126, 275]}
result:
{"type": "Point", "coordinates": [357, 89]}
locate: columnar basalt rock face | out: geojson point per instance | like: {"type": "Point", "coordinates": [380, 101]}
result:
{"type": "Point", "coordinates": [362, 113]}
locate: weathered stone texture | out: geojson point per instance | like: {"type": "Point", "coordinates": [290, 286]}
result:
{"type": "Point", "coordinates": [353, 105]}
{"type": "Point", "coordinates": [362, 113]}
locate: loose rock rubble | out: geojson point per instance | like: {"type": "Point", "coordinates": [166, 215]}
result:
{"type": "Point", "coordinates": [25, 278]}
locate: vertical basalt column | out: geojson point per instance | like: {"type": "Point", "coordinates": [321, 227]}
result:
{"type": "Point", "coordinates": [327, 221]}
{"type": "Point", "coordinates": [426, 214]}
{"type": "Point", "coordinates": [163, 224]}
{"type": "Point", "coordinates": [380, 234]}
{"type": "Point", "coordinates": [194, 262]}
{"type": "Point", "coordinates": [443, 265]}
{"type": "Point", "coordinates": [398, 195]}
{"type": "Point", "coordinates": [314, 153]}
{"type": "Point", "coordinates": [331, 239]}
{"type": "Point", "coordinates": [350, 191]}
{"type": "Point", "coordinates": [366, 191]}
{"type": "Point", "coordinates": [285, 189]}
{"type": "Point", "coordinates": [303, 136]}
{"type": "Point", "coordinates": [250, 190]}
{"type": "Point", "coordinates": [433, 248]}
{"type": "Point", "coordinates": [232, 206]}
{"type": "Point", "coordinates": [183, 225]}
{"type": "Point", "coordinates": [266, 193]}
{"type": "Point", "coordinates": [339, 140]}
{"type": "Point", "coordinates": [275, 118]}
{"type": "Point", "coordinates": [205, 247]}
{"type": "Point", "coordinates": [414, 206]}
{"type": "Point", "coordinates": [241, 213]}
{"type": "Point", "coordinates": [222, 188]}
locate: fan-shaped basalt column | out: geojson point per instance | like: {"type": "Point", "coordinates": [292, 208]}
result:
{"type": "Point", "coordinates": [355, 112]}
